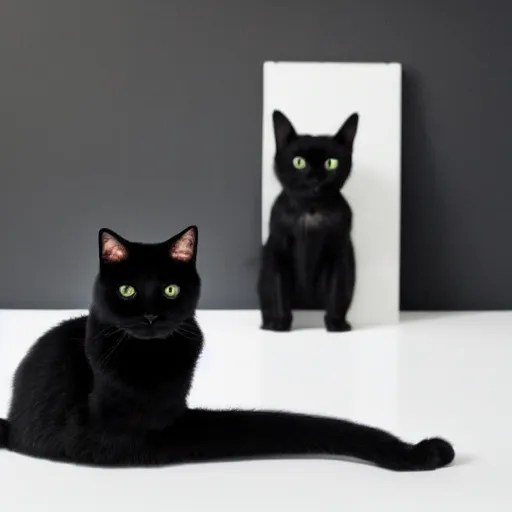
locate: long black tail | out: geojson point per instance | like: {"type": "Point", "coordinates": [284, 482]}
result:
{"type": "Point", "coordinates": [208, 435]}
{"type": "Point", "coordinates": [211, 435]}
{"type": "Point", "coordinates": [4, 431]}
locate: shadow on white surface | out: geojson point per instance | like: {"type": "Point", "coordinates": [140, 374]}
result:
{"type": "Point", "coordinates": [428, 316]}
{"type": "Point", "coordinates": [464, 460]}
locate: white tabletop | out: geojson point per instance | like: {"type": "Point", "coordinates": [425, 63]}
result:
{"type": "Point", "coordinates": [448, 375]}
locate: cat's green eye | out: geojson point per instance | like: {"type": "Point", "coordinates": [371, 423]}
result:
{"type": "Point", "coordinates": [299, 163]}
{"type": "Point", "coordinates": [127, 292]}
{"type": "Point", "coordinates": [171, 291]}
{"type": "Point", "coordinates": [331, 164]}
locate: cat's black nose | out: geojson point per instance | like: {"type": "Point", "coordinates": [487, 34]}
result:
{"type": "Point", "coordinates": [150, 318]}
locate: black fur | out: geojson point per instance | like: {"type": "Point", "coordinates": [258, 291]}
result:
{"type": "Point", "coordinates": [308, 261]}
{"type": "Point", "coordinates": [111, 388]}
{"type": "Point", "coordinates": [3, 433]}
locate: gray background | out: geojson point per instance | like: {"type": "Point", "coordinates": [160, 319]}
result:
{"type": "Point", "coordinates": [145, 116]}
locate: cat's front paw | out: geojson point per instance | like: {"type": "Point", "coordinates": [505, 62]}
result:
{"type": "Point", "coordinates": [280, 324]}
{"type": "Point", "coordinates": [336, 324]}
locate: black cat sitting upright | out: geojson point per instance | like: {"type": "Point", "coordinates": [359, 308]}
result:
{"type": "Point", "coordinates": [308, 260]}
{"type": "Point", "coordinates": [111, 388]}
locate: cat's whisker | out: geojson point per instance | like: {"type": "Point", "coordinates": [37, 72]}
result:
{"type": "Point", "coordinates": [103, 331]}
{"type": "Point", "coordinates": [185, 329]}
{"type": "Point", "coordinates": [118, 330]}
{"type": "Point", "coordinates": [113, 349]}
{"type": "Point", "coordinates": [190, 335]}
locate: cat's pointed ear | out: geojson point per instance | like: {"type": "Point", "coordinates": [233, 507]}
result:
{"type": "Point", "coordinates": [183, 247]}
{"type": "Point", "coordinates": [347, 133]}
{"type": "Point", "coordinates": [283, 130]}
{"type": "Point", "coordinates": [112, 247]}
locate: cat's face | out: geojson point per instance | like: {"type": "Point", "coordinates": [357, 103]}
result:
{"type": "Point", "coordinates": [313, 165]}
{"type": "Point", "coordinates": [147, 290]}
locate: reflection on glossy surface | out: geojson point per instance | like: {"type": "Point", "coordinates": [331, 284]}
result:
{"type": "Point", "coordinates": [433, 374]}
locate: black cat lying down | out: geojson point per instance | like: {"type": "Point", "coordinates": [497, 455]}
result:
{"type": "Point", "coordinates": [111, 388]}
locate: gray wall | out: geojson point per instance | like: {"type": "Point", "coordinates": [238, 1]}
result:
{"type": "Point", "coordinates": [145, 116]}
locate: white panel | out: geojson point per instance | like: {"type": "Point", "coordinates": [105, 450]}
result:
{"type": "Point", "coordinates": [317, 98]}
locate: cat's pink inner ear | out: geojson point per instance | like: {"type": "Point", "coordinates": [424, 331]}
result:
{"type": "Point", "coordinates": [112, 250]}
{"type": "Point", "coordinates": [183, 248]}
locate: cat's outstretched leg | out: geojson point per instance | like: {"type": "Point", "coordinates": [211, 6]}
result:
{"type": "Point", "coordinates": [340, 290]}
{"type": "Point", "coordinates": [275, 288]}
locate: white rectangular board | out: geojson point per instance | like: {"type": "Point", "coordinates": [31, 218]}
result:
{"type": "Point", "coordinates": [318, 98]}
